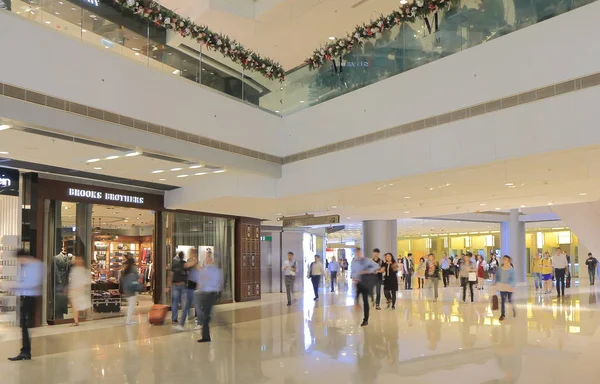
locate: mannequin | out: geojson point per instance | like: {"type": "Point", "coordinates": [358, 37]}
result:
{"type": "Point", "coordinates": [62, 265]}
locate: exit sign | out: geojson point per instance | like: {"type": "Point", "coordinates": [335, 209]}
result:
{"type": "Point", "coordinates": [266, 238]}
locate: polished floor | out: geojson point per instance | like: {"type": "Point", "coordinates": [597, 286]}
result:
{"type": "Point", "coordinates": [550, 341]}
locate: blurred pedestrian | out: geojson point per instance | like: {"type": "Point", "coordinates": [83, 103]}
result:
{"type": "Point", "coordinates": [211, 282]}
{"type": "Point", "coordinates": [79, 284]}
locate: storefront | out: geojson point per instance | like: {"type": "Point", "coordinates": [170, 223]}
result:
{"type": "Point", "coordinates": [10, 229]}
{"type": "Point", "coordinates": [104, 225]}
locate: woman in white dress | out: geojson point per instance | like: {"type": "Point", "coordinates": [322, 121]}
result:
{"type": "Point", "coordinates": [79, 285]}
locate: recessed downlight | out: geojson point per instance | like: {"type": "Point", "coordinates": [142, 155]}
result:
{"type": "Point", "coordinates": [550, 203]}
{"type": "Point", "coordinates": [180, 176]}
{"type": "Point", "coordinates": [482, 205]}
{"type": "Point", "coordinates": [407, 197]}
{"type": "Point", "coordinates": [509, 184]}
{"type": "Point", "coordinates": [331, 38]}
{"type": "Point", "coordinates": [582, 194]}
{"type": "Point", "coordinates": [112, 157]}
{"type": "Point", "coordinates": [3, 153]}
{"type": "Point", "coordinates": [162, 179]}
{"type": "Point", "coordinates": [200, 173]}
{"type": "Point", "coordinates": [219, 171]}
{"type": "Point", "coordinates": [93, 161]}
{"type": "Point", "coordinates": [176, 169]}
{"type": "Point", "coordinates": [196, 166]}
{"type": "Point", "coordinates": [158, 171]}
{"type": "Point", "coordinates": [132, 154]}
{"type": "Point", "coordinates": [97, 168]}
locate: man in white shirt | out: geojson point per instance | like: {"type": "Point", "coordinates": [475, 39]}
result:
{"type": "Point", "coordinates": [560, 265]}
{"type": "Point", "coordinates": [334, 269]}
{"type": "Point", "coordinates": [289, 273]}
{"type": "Point", "coordinates": [315, 271]}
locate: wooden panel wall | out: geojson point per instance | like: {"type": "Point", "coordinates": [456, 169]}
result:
{"type": "Point", "coordinates": [247, 260]}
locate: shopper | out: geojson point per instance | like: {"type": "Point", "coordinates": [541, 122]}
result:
{"type": "Point", "coordinates": [289, 273]}
{"type": "Point", "coordinates": [468, 276]}
{"type": "Point", "coordinates": [364, 276]}
{"type": "Point", "coordinates": [315, 272]}
{"type": "Point", "coordinates": [420, 274]}
{"type": "Point", "coordinates": [210, 285]}
{"type": "Point", "coordinates": [547, 273]}
{"type": "Point", "coordinates": [445, 265]}
{"type": "Point", "coordinates": [28, 288]}
{"type": "Point", "coordinates": [560, 265]}
{"type": "Point", "coordinates": [481, 267]}
{"type": "Point", "coordinates": [177, 280]}
{"type": "Point", "coordinates": [192, 271]}
{"type": "Point", "coordinates": [390, 280]}
{"type": "Point", "coordinates": [536, 269]}
{"type": "Point", "coordinates": [131, 286]}
{"type": "Point", "coordinates": [432, 274]}
{"type": "Point", "coordinates": [592, 264]}
{"type": "Point", "coordinates": [493, 267]}
{"type": "Point", "coordinates": [334, 269]}
{"type": "Point", "coordinates": [379, 280]}
{"type": "Point", "coordinates": [407, 271]}
{"type": "Point", "coordinates": [505, 283]}
{"type": "Point", "coordinates": [79, 284]}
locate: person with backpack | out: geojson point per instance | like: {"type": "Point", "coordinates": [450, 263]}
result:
{"type": "Point", "coordinates": [176, 284]}
{"type": "Point", "coordinates": [592, 264]}
{"type": "Point", "coordinates": [316, 271]}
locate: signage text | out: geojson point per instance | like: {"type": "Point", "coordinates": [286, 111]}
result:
{"type": "Point", "coordinates": [97, 195]}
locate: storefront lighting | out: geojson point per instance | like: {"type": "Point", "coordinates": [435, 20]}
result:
{"type": "Point", "coordinates": [540, 239]}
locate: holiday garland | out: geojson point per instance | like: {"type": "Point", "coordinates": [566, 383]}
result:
{"type": "Point", "coordinates": [407, 12]}
{"type": "Point", "coordinates": [167, 19]}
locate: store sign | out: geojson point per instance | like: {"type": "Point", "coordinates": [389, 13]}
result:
{"type": "Point", "coordinates": [104, 196]}
{"type": "Point", "coordinates": [9, 182]}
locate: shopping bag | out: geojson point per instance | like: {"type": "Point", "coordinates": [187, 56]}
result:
{"type": "Point", "coordinates": [569, 281]}
{"type": "Point", "coordinates": [157, 314]}
{"type": "Point", "coordinates": [472, 276]}
{"type": "Point", "coordinates": [495, 304]}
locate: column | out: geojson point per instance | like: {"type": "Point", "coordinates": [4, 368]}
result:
{"type": "Point", "coordinates": [512, 234]}
{"type": "Point", "coordinates": [382, 234]}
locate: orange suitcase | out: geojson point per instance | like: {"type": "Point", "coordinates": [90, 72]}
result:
{"type": "Point", "coordinates": [157, 314]}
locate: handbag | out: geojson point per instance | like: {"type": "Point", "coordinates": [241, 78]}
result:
{"type": "Point", "coordinates": [495, 305]}
{"type": "Point", "coordinates": [309, 273]}
{"type": "Point", "coordinates": [472, 277]}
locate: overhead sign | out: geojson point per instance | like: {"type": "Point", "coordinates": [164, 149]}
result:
{"type": "Point", "coordinates": [9, 182]}
{"type": "Point", "coordinates": [309, 221]}
{"type": "Point", "coordinates": [103, 196]}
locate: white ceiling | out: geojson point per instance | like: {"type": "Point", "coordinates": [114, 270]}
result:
{"type": "Point", "coordinates": [285, 30]}
{"type": "Point", "coordinates": [39, 149]}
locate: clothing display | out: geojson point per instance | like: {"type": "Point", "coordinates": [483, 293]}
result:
{"type": "Point", "coordinates": [62, 266]}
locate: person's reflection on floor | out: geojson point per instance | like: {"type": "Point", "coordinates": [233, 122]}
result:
{"type": "Point", "coordinates": [131, 356]}
{"type": "Point", "coordinates": [507, 348]}
{"type": "Point", "coordinates": [368, 364]}
{"type": "Point", "coordinates": [433, 326]}
{"type": "Point", "coordinates": [468, 338]}
{"type": "Point", "coordinates": [391, 337]}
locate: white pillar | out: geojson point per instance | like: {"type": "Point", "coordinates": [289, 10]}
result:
{"type": "Point", "coordinates": [382, 234]}
{"type": "Point", "coordinates": [512, 234]}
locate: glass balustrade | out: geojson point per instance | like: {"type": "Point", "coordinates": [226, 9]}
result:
{"type": "Point", "coordinates": [407, 46]}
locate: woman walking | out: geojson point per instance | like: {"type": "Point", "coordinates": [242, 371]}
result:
{"type": "Point", "coordinates": [493, 267]}
{"type": "Point", "coordinates": [432, 274]}
{"type": "Point", "coordinates": [131, 286]}
{"type": "Point", "coordinates": [481, 266]}
{"type": "Point", "coordinates": [79, 294]}
{"type": "Point", "coordinates": [547, 273]}
{"type": "Point", "coordinates": [505, 282]}
{"type": "Point", "coordinates": [468, 276]}
{"type": "Point", "coordinates": [420, 273]}
{"type": "Point", "coordinates": [390, 280]}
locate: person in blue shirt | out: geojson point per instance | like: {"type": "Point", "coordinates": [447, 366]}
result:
{"type": "Point", "coordinates": [334, 269]}
{"type": "Point", "coordinates": [210, 283]}
{"type": "Point", "coordinates": [445, 265]}
{"type": "Point", "coordinates": [364, 276]}
{"type": "Point", "coordinates": [28, 287]}
{"type": "Point", "coordinates": [505, 283]}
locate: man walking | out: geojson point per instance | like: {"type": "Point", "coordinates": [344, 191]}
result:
{"type": "Point", "coordinates": [334, 268]}
{"type": "Point", "coordinates": [445, 270]}
{"type": "Point", "coordinates": [315, 272]}
{"type": "Point", "coordinates": [363, 274]}
{"type": "Point", "coordinates": [560, 265]}
{"type": "Point", "coordinates": [211, 281]}
{"type": "Point", "coordinates": [591, 263]}
{"type": "Point", "coordinates": [29, 287]}
{"type": "Point", "coordinates": [289, 273]}
{"type": "Point", "coordinates": [176, 282]}
{"type": "Point", "coordinates": [408, 270]}
{"type": "Point", "coordinates": [379, 275]}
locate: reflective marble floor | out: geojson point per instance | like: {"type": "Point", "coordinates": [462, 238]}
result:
{"type": "Point", "coordinates": [550, 341]}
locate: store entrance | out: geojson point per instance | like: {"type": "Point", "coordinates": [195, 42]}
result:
{"type": "Point", "coordinates": [104, 237]}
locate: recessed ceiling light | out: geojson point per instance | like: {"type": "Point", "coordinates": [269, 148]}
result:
{"type": "Point", "coordinates": [276, 111]}
{"type": "Point", "coordinates": [219, 171]}
{"type": "Point", "coordinates": [331, 38]}
{"type": "Point", "coordinates": [302, 101]}
{"type": "Point", "coordinates": [509, 184]}
{"type": "Point", "coordinates": [497, 209]}
{"type": "Point", "coordinates": [407, 197]}
{"type": "Point", "coordinates": [83, 30]}
{"type": "Point", "coordinates": [582, 194]}
{"type": "Point", "coordinates": [158, 171]}
{"type": "Point", "coordinates": [348, 218]}
{"type": "Point", "coordinates": [182, 175]}
{"type": "Point", "coordinates": [47, 22]}
{"type": "Point", "coordinates": [196, 166]}
{"type": "Point", "coordinates": [200, 173]}
{"type": "Point", "coordinates": [403, 2]}
{"type": "Point", "coordinates": [176, 169]}
{"type": "Point", "coordinates": [132, 154]}
{"type": "Point", "coordinates": [4, 126]}
{"type": "Point", "coordinates": [550, 203]}
{"type": "Point", "coordinates": [431, 188]}
{"type": "Point", "coordinates": [112, 157]}
{"type": "Point", "coordinates": [448, 184]}
{"type": "Point", "coordinates": [93, 160]}
{"type": "Point", "coordinates": [334, 207]}
{"type": "Point", "coordinates": [406, 211]}
{"type": "Point", "coordinates": [162, 179]}
{"type": "Point", "coordinates": [97, 168]}
{"type": "Point", "coordinates": [3, 153]}
{"type": "Point", "coordinates": [522, 206]}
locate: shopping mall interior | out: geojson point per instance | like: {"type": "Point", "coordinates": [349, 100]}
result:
{"type": "Point", "coordinates": [195, 191]}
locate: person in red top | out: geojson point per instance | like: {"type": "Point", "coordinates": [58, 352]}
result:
{"type": "Point", "coordinates": [480, 272]}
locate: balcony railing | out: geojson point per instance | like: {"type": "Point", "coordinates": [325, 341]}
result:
{"type": "Point", "coordinates": [407, 46]}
